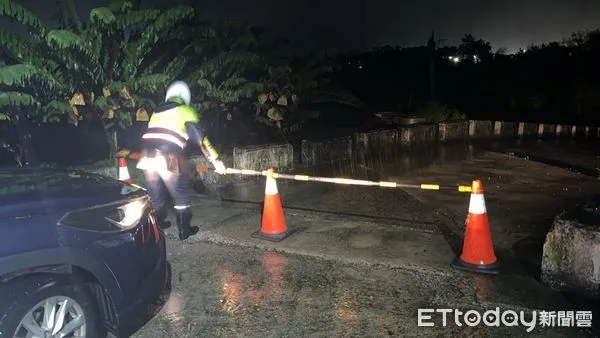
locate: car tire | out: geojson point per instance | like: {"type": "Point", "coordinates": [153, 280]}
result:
{"type": "Point", "coordinates": [19, 297]}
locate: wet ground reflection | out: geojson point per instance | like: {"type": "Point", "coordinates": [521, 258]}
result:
{"type": "Point", "coordinates": [244, 293]}
{"type": "Point", "coordinates": [371, 165]}
{"type": "Point", "coordinates": [239, 292]}
{"type": "Point", "coordinates": [483, 287]}
{"type": "Point", "coordinates": [223, 291]}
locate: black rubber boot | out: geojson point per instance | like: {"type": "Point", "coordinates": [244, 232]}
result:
{"type": "Point", "coordinates": [183, 223]}
{"type": "Point", "coordinates": [161, 218]}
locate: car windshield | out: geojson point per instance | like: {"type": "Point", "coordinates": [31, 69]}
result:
{"type": "Point", "coordinates": [19, 180]}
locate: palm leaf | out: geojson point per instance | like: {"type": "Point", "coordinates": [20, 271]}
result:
{"type": "Point", "coordinates": [18, 47]}
{"type": "Point", "coordinates": [102, 16]}
{"type": "Point", "coordinates": [66, 39]}
{"type": "Point", "coordinates": [16, 100]}
{"type": "Point", "coordinates": [58, 106]}
{"type": "Point", "coordinates": [150, 83]}
{"type": "Point", "coordinates": [21, 74]}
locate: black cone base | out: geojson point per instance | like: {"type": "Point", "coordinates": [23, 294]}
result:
{"type": "Point", "coordinates": [488, 269]}
{"type": "Point", "coordinates": [273, 238]}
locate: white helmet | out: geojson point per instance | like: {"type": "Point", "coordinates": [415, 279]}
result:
{"type": "Point", "coordinates": [179, 89]}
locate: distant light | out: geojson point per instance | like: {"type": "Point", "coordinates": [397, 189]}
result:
{"type": "Point", "coordinates": [455, 59]}
{"type": "Point", "coordinates": [360, 67]}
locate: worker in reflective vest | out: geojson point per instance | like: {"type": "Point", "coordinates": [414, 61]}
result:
{"type": "Point", "coordinates": [163, 161]}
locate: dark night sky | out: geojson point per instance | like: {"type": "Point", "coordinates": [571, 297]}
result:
{"type": "Point", "coordinates": [362, 24]}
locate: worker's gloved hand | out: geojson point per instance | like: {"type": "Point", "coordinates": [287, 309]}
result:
{"type": "Point", "coordinates": [219, 167]}
{"type": "Point", "coordinates": [123, 153]}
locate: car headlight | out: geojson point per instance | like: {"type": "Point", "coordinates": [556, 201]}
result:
{"type": "Point", "coordinates": [118, 216]}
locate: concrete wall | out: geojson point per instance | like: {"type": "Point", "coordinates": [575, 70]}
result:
{"type": "Point", "coordinates": [419, 134]}
{"type": "Point", "coordinates": [580, 132]}
{"type": "Point", "coordinates": [382, 143]}
{"type": "Point", "coordinates": [377, 144]}
{"type": "Point", "coordinates": [260, 157]}
{"type": "Point", "coordinates": [452, 131]}
{"type": "Point", "coordinates": [527, 129]}
{"type": "Point", "coordinates": [564, 131]}
{"type": "Point", "coordinates": [480, 129]}
{"type": "Point", "coordinates": [506, 129]}
{"type": "Point", "coordinates": [546, 130]}
{"type": "Point", "coordinates": [337, 149]}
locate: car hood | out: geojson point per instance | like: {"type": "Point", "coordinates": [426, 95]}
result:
{"type": "Point", "coordinates": [34, 192]}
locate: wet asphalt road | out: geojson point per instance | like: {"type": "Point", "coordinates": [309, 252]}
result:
{"type": "Point", "coordinates": [220, 291]}
{"type": "Point", "coordinates": [236, 291]}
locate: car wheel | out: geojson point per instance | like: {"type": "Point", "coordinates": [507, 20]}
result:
{"type": "Point", "coordinates": [49, 306]}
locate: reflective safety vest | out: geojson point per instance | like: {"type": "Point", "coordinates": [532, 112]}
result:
{"type": "Point", "coordinates": [169, 125]}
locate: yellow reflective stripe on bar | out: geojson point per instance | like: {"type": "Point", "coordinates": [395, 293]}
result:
{"type": "Point", "coordinates": [339, 180]}
{"type": "Point", "coordinates": [464, 188]}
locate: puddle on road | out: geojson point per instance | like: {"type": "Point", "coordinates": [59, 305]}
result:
{"type": "Point", "coordinates": [400, 160]}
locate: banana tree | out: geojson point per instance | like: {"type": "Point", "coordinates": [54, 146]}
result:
{"type": "Point", "coordinates": [221, 64]}
{"type": "Point", "coordinates": [97, 67]}
{"type": "Point", "coordinates": [225, 90]}
{"type": "Point", "coordinates": [122, 41]}
{"type": "Point", "coordinates": [292, 96]}
{"type": "Point", "coordinates": [30, 89]}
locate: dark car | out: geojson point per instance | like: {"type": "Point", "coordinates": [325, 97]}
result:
{"type": "Point", "coordinates": [78, 253]}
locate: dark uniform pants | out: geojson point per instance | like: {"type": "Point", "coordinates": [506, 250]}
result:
{"type": "Point", "coordinates": [162, 184]}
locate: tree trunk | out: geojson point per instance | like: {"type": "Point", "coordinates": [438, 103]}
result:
{"type": "Point", "coordinates": [72, 9]}
{"type": "Point", "coordinates": [25, 140]}
{"type": "Point", "coordinates": [111, 139]}
{"type": "Point", "coordinates": [113, 146]}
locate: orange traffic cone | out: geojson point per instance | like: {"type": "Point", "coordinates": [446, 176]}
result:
{"type": "Point", "coordinates": [124, 171]}
{"type": "Point", "coordinates": [478, 249]}
{"type": "Point", "coordinates": [273, 220]}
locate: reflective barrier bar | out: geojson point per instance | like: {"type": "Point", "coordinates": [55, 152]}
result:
{"type": "Point", "coordinates": [344, 181]}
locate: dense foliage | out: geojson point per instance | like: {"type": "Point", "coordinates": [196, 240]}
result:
{"type": "Point", "coordinates": [116, 65]}
{"type": "Point", "coordinates": [111, 69]}
{"type": "Point", "coordinates": [555, 82]}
